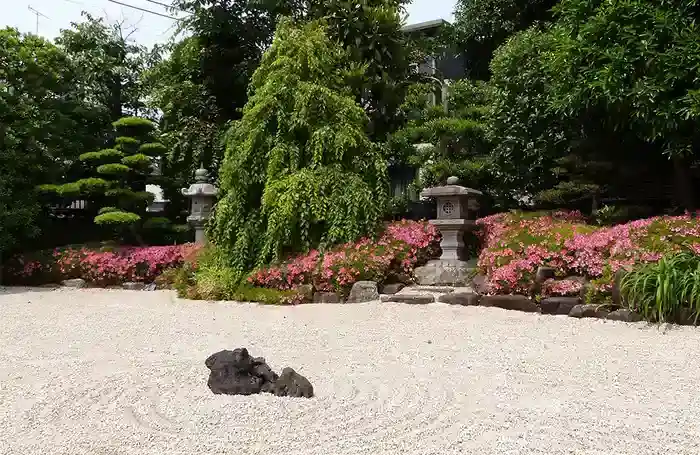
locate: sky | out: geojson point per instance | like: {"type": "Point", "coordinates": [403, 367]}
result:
{"type": "Point", "coordinates": [55, 15]}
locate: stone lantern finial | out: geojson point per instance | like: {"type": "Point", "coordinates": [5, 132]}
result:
{"type": "Point", "coordinates": [201, 175]}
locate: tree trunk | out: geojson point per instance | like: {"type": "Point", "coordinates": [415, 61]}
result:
{"type": "Point", "coordinates": [683, 184]}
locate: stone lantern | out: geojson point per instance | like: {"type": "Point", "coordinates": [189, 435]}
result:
{"type": "Point", "coordinates": [203, 196]}
{"type": "Point", "coordinates": [455, 218]}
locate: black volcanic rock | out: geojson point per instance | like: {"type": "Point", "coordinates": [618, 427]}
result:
{"type": "Point", "coordinates": [237, 373]}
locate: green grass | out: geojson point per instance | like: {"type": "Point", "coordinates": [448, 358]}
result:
{"type": "Point", "coordinates": [663, 291]}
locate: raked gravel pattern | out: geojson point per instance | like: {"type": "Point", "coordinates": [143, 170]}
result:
{"type": "Point", "coordinates": [122, 372]}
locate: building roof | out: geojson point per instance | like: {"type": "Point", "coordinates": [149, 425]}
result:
{"type": "Point", "coordinates": [420, 26]}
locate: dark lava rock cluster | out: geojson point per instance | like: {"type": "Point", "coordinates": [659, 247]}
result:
{"type": "Point", "coordinates": [237, 373]}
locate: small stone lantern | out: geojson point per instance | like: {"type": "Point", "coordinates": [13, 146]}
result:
{"type": "Point", "coordinates": [203, 196]}
{"type": "Point", "coordinates": [454, 204]}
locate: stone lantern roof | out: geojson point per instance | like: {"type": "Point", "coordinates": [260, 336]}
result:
{"type": "Point", "coordinates": [451, 189]}
{"type": "Point", "coordinates": [201, 187]}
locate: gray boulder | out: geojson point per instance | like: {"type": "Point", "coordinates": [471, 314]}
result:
{"type": "Point", "coordinates": [363, 291]}
{"type": "Point", "coordinates": [74, 283]}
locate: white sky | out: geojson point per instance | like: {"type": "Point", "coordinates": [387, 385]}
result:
{"type": "Point", "coordinates": [151, 29]}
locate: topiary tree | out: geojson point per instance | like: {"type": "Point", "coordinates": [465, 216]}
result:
{"type": "Point", "coordinates": [118, 191]}
{"type": "Point", "coordinates": [457, 135]}
{"type": "Point", "coordinates": [299, 168]}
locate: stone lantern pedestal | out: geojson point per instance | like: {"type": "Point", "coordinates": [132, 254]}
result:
{"type": "Point", "coordinates": [203, 195]}
{"type": "Point", "coordinates": [454, 221]}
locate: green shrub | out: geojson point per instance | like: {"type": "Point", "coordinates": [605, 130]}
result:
{"type": "Point", "coordinates": [266, 296]}
{"type": "Point", "coordinates": [87, 186]}
{"type": "Point", "coordinates": [113, 169]}
{"type": "Point", "coordinates": [137, 123]}
{"type": "Point", "coordinates": [127, 196]}
{"type": "Point", "coordinates": [153, 149]}
{"type": "Point", "coordinates": [127, 141]}
{"type": "Point", "coordinates": [138, 161]}
{"type": "Point", "coordinates": [158, 222]}
{"type": "Point", "coordinates": [48, 189]}
{"type": "Point", "coordinates": [106, 155]}
{"type": "Point", "coordinates": [127, 144]}
{"type": "Point", "coordinates": [117, 218]}
{"type": "Point", "coordinates": [665, 291]}
{"type": "Point", "coordinates": [107, 210]}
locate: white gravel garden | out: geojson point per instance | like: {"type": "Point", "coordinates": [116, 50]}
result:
{"type": "Point", "coordinates": [96, 371]}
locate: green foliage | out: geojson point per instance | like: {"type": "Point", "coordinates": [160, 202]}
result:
{"type": "Point", "coordinates": [665, 291]}
{"type": "Point", "coordinates": [45, 122]}
{"type": "Point", "coordinates": [107, 210]}
{"type": "Point", "coordinates": [108, 64]}
{"type": "Point", "coordinates": [48, 189]}
{"type": "Point", "coordinates": [610, 83]}
{"type": "Point", "coordinates": [157, 222]}
{"type": "Point", "coordinates": [142, 125]}
{"type": "Point", "coordinates": [117, 218]}
{"type": "Point", "coordinates": [299, 168]}
{"type": "Point", "coordinates": [103, 156]}
{"type": "Point", "coordinates": [153, 149]}
{"type": "Point", "coordinates": [127, 144]}
{"type": "Point", "coordinates": [482, 26]}
{"type": "Point", "coordinates": [526, 133]}
{"type": "Point", "coordinates": [84, 187]}
{"type": "Point", "coordinates": [126, 141]}
{"type": "Point", "coordinates": [115, 169]}
{"type": "Point", "coordinates": [123, 186]}
{"type": "Point", "coordinates": [138, 161]}
{"type": "Point", "coordinates": [370, 30]}
{"type": "Point", "coordinates": [457, 136]}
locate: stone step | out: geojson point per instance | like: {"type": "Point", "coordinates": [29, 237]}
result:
{"type": "Point", "coordinates": [460, 298]}
{"type": "Point", "coordinates": [414, 299]}
{"type": "Point", "coordinates": [433, 289]}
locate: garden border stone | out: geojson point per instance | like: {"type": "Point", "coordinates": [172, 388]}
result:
{"type": "Point", "coordinates": [77, 283]}
{"type": "Point", "coordinates": [559, 305]}
{"type": "Point", "coordinates": [515, 302]}
{"type": "Point", "coordinates": [624, 315]}
{"type": "Point", "coordinates": [327, 297]}
{"type": "Point", "coordinates": [411, 299]}
{"type": "Point", "coordinates": [392, 288]}
{"type": "Point", "coordinates": [461, 298]}
{"type": "Point", "coordinates": [588, 311]}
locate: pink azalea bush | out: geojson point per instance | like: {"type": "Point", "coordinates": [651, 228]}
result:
{"type": "Point", "coordinates": [127, 264]}
{"type": "Point", "coordinates": [516, 244]}
{"type": "Point", "coordinates": [404, 245]}
{"type": "Point", "coordinates": [566, 287]}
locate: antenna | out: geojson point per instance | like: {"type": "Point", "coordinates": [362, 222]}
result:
{"type": "Point", "coordinates": [37, 14]}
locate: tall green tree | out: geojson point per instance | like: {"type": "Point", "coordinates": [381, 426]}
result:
{"type": "Point", "coordinates": [615, 82]}
{"type": "Point", "coordinates": [481, 26]}
{"type": "Point", "coordinates": [45, 122]}
{"type": "Point", "coordinates": [370, 31]}
{"type": "Point", "coordinates": [299, 168]}
{"type": "Point", "coordinates": [203, 84]}
{"type": "Point", "coordinates": [457, 135]}
{"type": "Point", "coordinates": [110, 65]}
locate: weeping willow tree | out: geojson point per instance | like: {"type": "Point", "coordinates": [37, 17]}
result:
{"type": "Point", "coordinates": [299, 169]}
